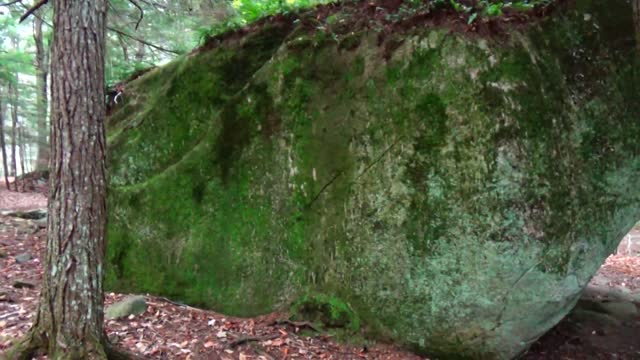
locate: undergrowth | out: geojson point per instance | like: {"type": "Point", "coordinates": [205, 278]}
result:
{"type": "Point", "coordinates": [249, 11]}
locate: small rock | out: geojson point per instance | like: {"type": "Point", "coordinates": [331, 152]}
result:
{"type": "Point", "coordinates": [2, 254]}
{"type": "Point", "coordinates": [23, 258]}
{"type": "Point", "coordinates": [20, 284]}
{"type": "Point", "coordinates": [29, 215]}
{"type": "Point", "coordinates": [132, 305]}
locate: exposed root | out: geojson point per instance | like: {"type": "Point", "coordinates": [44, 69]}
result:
{"type": "Point", "coordinates": [114, 353]}
{"type": "Point", "coordinates": [32, 345]}
{"type": "Point", "coordinates": [25, 348]}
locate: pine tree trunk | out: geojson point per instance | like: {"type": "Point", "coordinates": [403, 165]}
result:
{"type": "Point", "coordinates": [2, 142]}
{"type": "Point", "coordinates": [71, 305]}
{"type": "Point", "coordinates": [69, 322]}
{"type": "Point", "coordinates": [42, 64]}
{"type": "Point", "coordinates": [23, 155]}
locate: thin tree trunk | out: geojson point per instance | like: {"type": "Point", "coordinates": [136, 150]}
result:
{"type": "Point", "coordinates": [140, 53]}
{"type": "Point", "coordinates": [13, 96]}
{"type": "Point", "coordinates": [125, 48]}
{"type": "Point", "coordinates": [21, 144]}
{"type": "Point", "coordinates": [27, 157]}
{"type": "Point", "coordinates": [2, 142]}
{"type": "Point", "coordinates": [42, 65]}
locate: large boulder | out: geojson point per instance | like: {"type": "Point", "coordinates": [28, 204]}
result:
{"type": "Point", "coordinates": [457, 192]}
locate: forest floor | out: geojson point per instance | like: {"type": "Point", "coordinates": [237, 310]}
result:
{"type": "Point", "coordinates": [604, 325]}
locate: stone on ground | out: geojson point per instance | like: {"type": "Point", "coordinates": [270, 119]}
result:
{"type": "Point", "coordinates": [23, 258]}
{"type": "Point", "coordinates": [131, 305]}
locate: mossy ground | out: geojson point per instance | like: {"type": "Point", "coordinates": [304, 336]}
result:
{"type": "Point", "coordinates": [455, 193]}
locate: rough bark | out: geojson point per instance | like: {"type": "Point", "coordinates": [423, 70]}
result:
{"type": "Point", "coordinates": [42, 64]}
{"type": "Point", "coordinates": [69, 323]}
{"type": "Point", "coordinates": [70, 315]}
{"type": "Point", "coordinates": [2, 142]}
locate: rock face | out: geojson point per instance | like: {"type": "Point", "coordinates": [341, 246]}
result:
{"type": "Point", "coordinates": [456, 192]}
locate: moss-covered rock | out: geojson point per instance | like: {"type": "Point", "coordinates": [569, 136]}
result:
{"type": "Point", "coordinates": [456, 193]}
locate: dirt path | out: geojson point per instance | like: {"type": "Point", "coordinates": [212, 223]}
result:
{"type": "Point", "coordinates": [605, 324]}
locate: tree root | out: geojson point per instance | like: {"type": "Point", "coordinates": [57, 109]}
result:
{"type": "Point", "coordinates": [25, 348]}
{"type": "Point", "coordinates": [32, 345]}
{"type": "Point", "coordinates": [114, 353]}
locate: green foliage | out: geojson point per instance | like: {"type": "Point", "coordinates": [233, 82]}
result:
{"type": "Point", "coordinates": [248, 11]}
{"type": "Point", "coordinates": [493, 8]}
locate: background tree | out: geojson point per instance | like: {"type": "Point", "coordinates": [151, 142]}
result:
{"type": "Point", "coordinates": [3, 147]}
{"type": "Point", "coordinates": [13, 94]}
{"type": "Point", "coordinates": [16, 69]}
{"type": "Point", "coordinates": [42, 70]}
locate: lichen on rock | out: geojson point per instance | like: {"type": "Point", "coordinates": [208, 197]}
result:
{"type": "Point", "coordinates": [456, 192]}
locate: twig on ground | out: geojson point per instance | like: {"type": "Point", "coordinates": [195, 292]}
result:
{"type": "Point", "coordinates": [261, 352]}
{"type": "Point", "coordinates": [298, 324]}
{"type": "Point", "coordinates": [247, 339]}
{"type": "Point", "coordinates": [179, 304]}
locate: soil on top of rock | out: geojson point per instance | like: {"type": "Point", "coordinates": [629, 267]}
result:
{"type": "Point", "coordinates": [391, 16]}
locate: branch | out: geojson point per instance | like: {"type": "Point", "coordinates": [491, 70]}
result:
{"type": "Point", "coordinates": [143, 41]}
{"type": "Point", "coordinates": [35, 7]}
{"type": "Point", "coordinates": [11, 3]}
{"type": "Point", "coordinates": [141, 12]}
{"type": "Point", "coordinates": [36, 15]}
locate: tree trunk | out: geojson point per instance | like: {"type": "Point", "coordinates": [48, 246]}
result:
{"type": "Point", "coordinates": [13, 97]}
{"type": "Point", "coordinates": [140, 53]}
{"type": "Point", "coordinates": [23, 155]}
{"type": "Point", "coordinates": [125, 49]}
{"type": "Point", "coordinates": [42, 64]}
{"type": "Point", "coordinates": [2, 142]}
{"type": "Point", "coordinates": [70, 315]}
{"type": "Point", "coordinates": [69, 323]}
